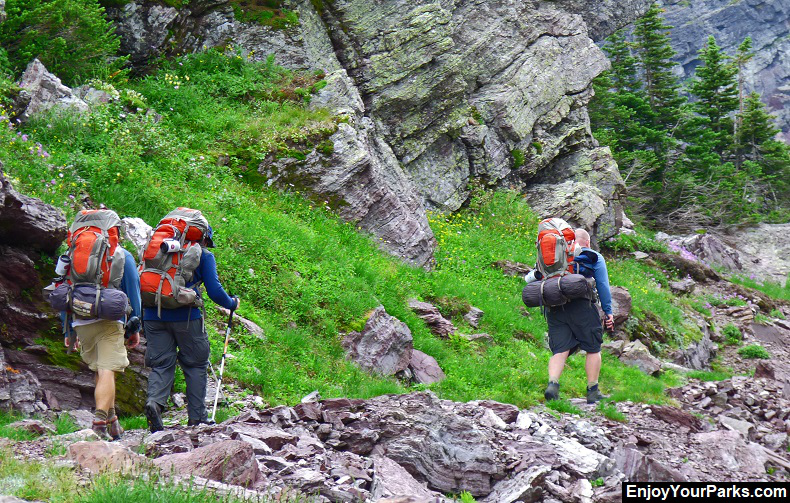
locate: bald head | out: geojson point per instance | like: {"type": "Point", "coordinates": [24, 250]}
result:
{"type": "Point", "coordinates": [582, 238]}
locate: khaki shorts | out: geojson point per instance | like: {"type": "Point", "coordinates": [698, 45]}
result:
{"type": "Point", "coordinates": [101, 345]}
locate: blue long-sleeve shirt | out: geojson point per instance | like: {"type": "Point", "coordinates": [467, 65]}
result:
{"type": "Point", "coordinates": [205, 273]}
{"type": "Point", "coordinates": [597, 269]}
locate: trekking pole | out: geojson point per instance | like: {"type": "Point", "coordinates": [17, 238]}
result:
{"type": "Point", "coordinates": [222, 363]}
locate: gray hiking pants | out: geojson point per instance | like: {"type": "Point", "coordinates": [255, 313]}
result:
{"type": "Point", "coordinates": [187, 343]}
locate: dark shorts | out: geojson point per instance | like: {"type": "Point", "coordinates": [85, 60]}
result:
{"type": "Point", "coordinates": [575, 325]}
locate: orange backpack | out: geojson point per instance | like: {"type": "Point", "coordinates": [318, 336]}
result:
{"type": "Point", "coordinates": [170, 259]}
{"type": "Point", "coordinates": [555, 247]}
{"type": "Point", "coordinates": [96, 258]}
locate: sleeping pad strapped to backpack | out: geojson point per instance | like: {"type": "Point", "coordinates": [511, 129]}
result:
{"type": "Point", "coordinates": [91, 286]}
{"type": "Point", "coordinates": [555, 247]}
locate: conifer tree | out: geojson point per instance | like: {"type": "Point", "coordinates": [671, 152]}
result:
{"type": "Point", "coordinates": [742, 56]}
{"type": "Point", "coordinates": [757, 127]}
{"type": "Point", "coordinates": [655, 54]}
{"type": "Point", "coordinates": [716, 92]}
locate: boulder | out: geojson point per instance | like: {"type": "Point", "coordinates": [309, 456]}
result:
{"type": "Point", "coordinates": [362, 180]}
{"type": "Point", "coordinates": [699, 354]}
{"type": "Point", "coordinates": [47, 91]}
{"type": "Point", "coordinates": [745, 428]}
{"type": "Point", "coordinates": [637, 355]}
{"type": "Point", "coordinates": [384, 345]}
{"type": "Point", "coordinates": [98, 457]}
{"type": "Point", "coordinates": [26, 222]}
{"type": "Point", "coordinates": [424, 368]}
{"type": "Point", "coordinates": [250, 326]}
{"type": "Point", "coordinates": [81, 417]}
{"type": "Point", "coordinates": [473, 317]}
{"type": "Point", "coordinates": [621, 304]}
{"type": "Point", "coordinates": [730, 450]}
{"type": "Point", "coordinates": [137, 231]}
{"type": "Point", "coordinates": [392, 480]}
{"type": "Point", "coordinates": [228, 461]}
{"type": "Point", "coordinates": [684, 286]}
{"type": "Point", "coordinates": [438, 324]}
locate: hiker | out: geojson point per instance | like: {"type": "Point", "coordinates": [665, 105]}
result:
{"type": "Point", "coordinates": [102, 321]}
{"type": "Point", "coordinates": [176, 262]}
{"type": "Point", "coordinates": [577, 324]}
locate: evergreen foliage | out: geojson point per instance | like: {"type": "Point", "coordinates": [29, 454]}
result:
{"type": "Point", "coordinates": [713, 160]}
{"type": "Point", "coordinates": [71, 37]}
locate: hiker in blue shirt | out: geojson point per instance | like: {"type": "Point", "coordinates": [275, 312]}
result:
{"type": "Point", "coordinates": [101, 344]}
{"type": "Point", "coordinates": [577, 324]}
{"type": "Point", "coordinates": [179, 335]}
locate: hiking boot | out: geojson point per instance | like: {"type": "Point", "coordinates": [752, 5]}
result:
{"type": "Point", "coordinates": [594, 395]}
{"type": "Point", "coordinates": [552, 391]}
{"type": "Point", "coordinates": [153, 413]}
{"type": "Point", "coordinates": [195, 422]}
{"type": "Point", "coordinates": [100, 429]}
{"type": "Point", "coordinates": [114, 428]}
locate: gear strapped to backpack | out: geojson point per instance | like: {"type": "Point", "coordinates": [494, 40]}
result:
{"type": "Point", "coordinates": [555, 252]}
{"type": "Point", "coordinates": [170, 259]}
{"type": "Point", "coordinates": [90, 288]}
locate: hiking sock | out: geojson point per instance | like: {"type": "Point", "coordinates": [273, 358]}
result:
{"type": "Point", "coordinates": [101, 415]}
{"type": "Point", "coordinates": [111, 412]}
{"type": "Point", "coordinates": [591, 384]}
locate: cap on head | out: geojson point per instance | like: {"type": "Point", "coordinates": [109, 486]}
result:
{"type": "Point", "coordinates": [209, 237]}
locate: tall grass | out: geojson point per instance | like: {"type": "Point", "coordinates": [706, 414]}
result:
{"type": "Point", "coordinates": [304, 276]}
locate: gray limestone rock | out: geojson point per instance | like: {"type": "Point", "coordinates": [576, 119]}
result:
{"type": "Point", "coordinates": [384, 345]}
{"type": "Point", "coordinates": [473, 317]}
{"type": "Point", "coordinates": [636, 354]}
{"type": "Point", "coordinates": [526, 486]}
{"type": "Point", "coordinates": [683, 286]}
{"type": "Point", "coordinates": [137, 231]}
{"type": "Point", "coordinates": [362, 180]}
{"type": "Point", "coordinates": [46, 91]}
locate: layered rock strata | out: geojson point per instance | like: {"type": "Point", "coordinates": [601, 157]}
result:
{"type": "Point", "coordinates": [439, 98]}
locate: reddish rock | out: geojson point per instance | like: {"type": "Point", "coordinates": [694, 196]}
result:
{"type": "Point", "coordinates": [228, 461]}
{"type": "Point", "coordinates": [438, 324]}
{"type": "Point", "coordinates": [425, 368]}
{"type": "Point", "coordinates": [384, 345]}
{"type": "Point", "coordinates": [102, 456]}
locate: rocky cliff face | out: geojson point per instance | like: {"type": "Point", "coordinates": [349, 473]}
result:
{"type": "Point", "coordinates": [441, 97]}
{"type": "Point", "coordinates": [766, 21]}
{"type": "Point", "coordinates": [35, 373]}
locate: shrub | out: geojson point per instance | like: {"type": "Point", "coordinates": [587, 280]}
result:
{"type": "Point", "coordinates": [754, 351]}
{"type": "Point", "coordinates": [71, 37]}
{"type": "Point", "coordinates": [776, 313]}
{"type": "Point", "coordinates": [732, 335]}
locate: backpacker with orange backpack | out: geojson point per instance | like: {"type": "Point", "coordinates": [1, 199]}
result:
{"type": "Point", "coordinates": [556, 283]}
{"type": "Point", "coordinates": [90, 287]}
{"type": "Point", "coordinates": [170, 258]}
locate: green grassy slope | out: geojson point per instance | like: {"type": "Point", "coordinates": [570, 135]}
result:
{"type": "Point", "coordinates": [302, 274]}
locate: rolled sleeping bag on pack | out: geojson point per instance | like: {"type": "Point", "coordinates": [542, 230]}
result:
{"type": "Point", "coordinates": [558, 290]}
{"type": "Point", "coordinates": [81, 301]}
